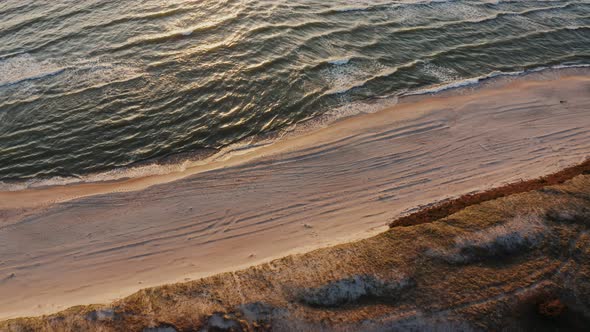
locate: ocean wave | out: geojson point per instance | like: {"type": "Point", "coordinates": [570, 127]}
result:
{"type": "Point", "coordinates": [494, 42]}
{"type": "Point", "coordinates": [471, 19]}
{"type": "Point", "coordinates": [386, 5]}
{"type": "Point", "coordinates": [25, 78]}
{"type": "Point", "coordinates": [344, 79]}
{"type": "Point", "coordinates": [25, 67]}
{"type": "Point", "coordinates": [175, 33]}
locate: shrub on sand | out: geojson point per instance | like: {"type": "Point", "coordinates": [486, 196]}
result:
{"type": "Point", "coordinates": [352, 289]}
{"type": "Point", "coordinates": [521, 233]}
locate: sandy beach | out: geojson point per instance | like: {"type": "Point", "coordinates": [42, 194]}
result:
{"type": "Point", "coordinates": [92, 243]}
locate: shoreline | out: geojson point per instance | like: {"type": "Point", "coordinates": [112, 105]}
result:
{"type": "Point", "coordinates": [63, 189]}
{"type": "Point", "coordinates": [181, 162]}
{"type": "Point", "coordinates": [334, 185]}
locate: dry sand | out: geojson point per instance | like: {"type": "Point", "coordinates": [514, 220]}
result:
{"type": "Point", "coordinates": [91, 243]}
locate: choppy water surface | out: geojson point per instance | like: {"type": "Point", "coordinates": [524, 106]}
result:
{"type": "Point", "coordinates": [89, 86]}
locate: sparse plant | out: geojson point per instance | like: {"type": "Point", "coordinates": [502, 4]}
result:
{"type": "Point", "coordinates": [573, 213]}
{"type": "Point", "coordinates": [352, 289]}
{"type": "Point", "coordinates": [521, 233]}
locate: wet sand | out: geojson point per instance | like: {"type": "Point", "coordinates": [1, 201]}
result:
{"type": "Point", "coordinates": [91, 243]}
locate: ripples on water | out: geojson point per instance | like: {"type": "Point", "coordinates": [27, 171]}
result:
{"type": "Point", "coordinates": [91, 85]}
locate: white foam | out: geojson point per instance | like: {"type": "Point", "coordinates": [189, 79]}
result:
{"type": "Point", "coordinates": [339, 62]}
{"type": "Point", "coordinates": [350, 9]}
{"type": "Point", "coordinates": [345, 6]}
{"type": "Point", "coordinates": [414, 12]}
{"type": "Point", "coordinates": [112, 175]}
{"type": "Point", "coordinates": [571, 66]}
{"type": "Point", "coordinates": [361, 107]}
{"type": "Point", "coordinates": [26, 68]}
{"type": "Point", "coordinates": [23, 76]}
{"type": "Point", "coordinates": [96, 73]}
{"type": "Point", "coordinates": [443, 74]}
{"type": "Point", "coordinates": [341, 79]}
{"type": "Point", "coordinates": [477, 80]}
